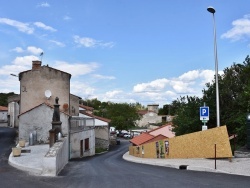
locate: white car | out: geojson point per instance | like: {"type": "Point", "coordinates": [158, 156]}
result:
{"type": "Point", "coordinates": [126, 136]}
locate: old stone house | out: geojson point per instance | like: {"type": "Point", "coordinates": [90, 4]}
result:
{"type": "Point", "coordinates": [149, 116]}
{"type": "Point", "coordinates": [39, 88]}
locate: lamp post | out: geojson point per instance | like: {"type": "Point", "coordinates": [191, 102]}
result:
{"type": "Point", "coordinates": [212, 10]}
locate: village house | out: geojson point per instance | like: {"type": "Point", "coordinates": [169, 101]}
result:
{"type": "Point", "coordinates": [39, 88]}
{"type": "Point", "coordinates": [102, 131]}
{"type": "Point", "coordinates": [149, 116]}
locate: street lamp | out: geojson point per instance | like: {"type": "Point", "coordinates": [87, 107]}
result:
{"type": "Point", "coordinates": [212, 10]}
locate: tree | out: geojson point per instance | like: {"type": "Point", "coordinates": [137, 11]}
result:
{"type": "Point", "coordinates": [4, 98]}
{"type": "Point", "coordinates": [234, 88]}
{"type": "Point", "coordinates": [122, 115]}
{"type": "Point", "coordinates": [187, 118]}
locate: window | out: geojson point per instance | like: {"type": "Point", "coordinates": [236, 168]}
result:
{"type": "Point", "coordinates": [86, 144]}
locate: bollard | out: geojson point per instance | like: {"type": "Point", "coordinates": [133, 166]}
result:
{"type": "Point", "coordinates": [59, 136]}
{"type": "Point", "coordinates": [31, 139]}
{"type": "Point", "coordinates": [34, 137]}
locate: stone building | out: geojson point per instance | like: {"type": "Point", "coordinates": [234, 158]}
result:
{"type": "Point", "coordinates": [149, 116]}
{"type": "Point", "coordinates": [39, 87]}
{"type": "Point", "coordinates": [35, 82]}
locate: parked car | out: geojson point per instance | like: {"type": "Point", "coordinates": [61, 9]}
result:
{"type": "Point", "coordinates": [126, 135]}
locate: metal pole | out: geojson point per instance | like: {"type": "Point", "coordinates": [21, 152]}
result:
{"type": "Point", "coordinates": [215, 156]}
{"type": "Point", "coordinates": [212, 10]}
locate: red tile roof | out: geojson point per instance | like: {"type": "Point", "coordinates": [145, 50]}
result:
{"type": "Point", "coordinates": [96, 117]}
{"type": "Point", "coordinates": [3, 108]}
{"type": "Point", "coordinates": [86, 107]}
{"type": "Point", "coordinates": [142, 138]}
{"type": "Point", "coordinates": [156, 138]}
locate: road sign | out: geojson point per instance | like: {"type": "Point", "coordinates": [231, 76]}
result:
{"type": "Point", "coordinates": [204, 113]}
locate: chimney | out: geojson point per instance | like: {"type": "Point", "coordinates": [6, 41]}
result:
{"type": "Point", "coordinates": [36, 65]}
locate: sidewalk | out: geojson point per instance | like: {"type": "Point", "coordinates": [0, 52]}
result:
{"type": "Point", "coordinates": [238, 166]}
{"type": "Point", "coordinates": [30, 162]}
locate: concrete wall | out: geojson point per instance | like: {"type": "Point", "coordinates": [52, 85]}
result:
{"type": "Point", "coordinates": [3, 116]}
{"type": "Point", "coordinates": [195, 145]}
{"type": "Point", "coordinates": [34, 83]}
{"type": "Point", "coordinates": [56, 158]}
{"type": "Point", "coordinates": [74, 105]}
{"type": "Point", "coordinates": [39, 119]}
{"type": "Point", "coordinates": [13, 111]}
{"type": "Point", "coordinates": [75, 146]}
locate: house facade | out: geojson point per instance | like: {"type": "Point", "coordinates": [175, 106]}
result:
{"type": "Point", "coordinates": [39, 88]}
{"type": "Point", "coordinates": [35, 82]}
{"type": "Point", "coordinates": [3, 115]}
{"type": "Point", "coordinates": [102, 130]}
{"type": "Point", "coordinates": [149, 116]}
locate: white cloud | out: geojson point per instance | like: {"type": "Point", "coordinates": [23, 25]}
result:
{"type": "Point", "coordinates": [30, 49]}
{"type": "Point", "coordinates": [23, 27]}
{"type": "Point", "coordinates": [113, 94]}
{"type": "Point", "coordinates": [66, 18]}
{"type": "Point", "coordinates": [241, 29]}
{"type": "Point", "coordinates": [43, 26]}
{"type": "Point", "coordinates": [18, 50]}
{"type": "Point", "coordinates": [77, 68]}
{"type": "Point", "coordinates": [155, 85]}
{"type": "Point", "coordinates": [164, 90]}
{"type": "Point", "coordinates": [104, 77]}
{"type": "Point", "coordinates": [60, 44]}
{"type": "Point", "coordinates": [44, 4]}
{"type": "Point", "coordinates": [81, 88]}
{"type": "Point", "coordinates": [18, 65]}
{"type": "Point", "coordinates": [34, 50]}
{"type": "Point", "coordinates": [91, 43]}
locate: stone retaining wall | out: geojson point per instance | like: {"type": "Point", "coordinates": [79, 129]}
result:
{"type": "Point", "coordinates": [101, 143]}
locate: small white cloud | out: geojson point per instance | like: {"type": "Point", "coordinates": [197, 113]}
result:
{"type": "Point", "coordinates": [113, 94]}
{"type": "Point", "coordinates": [45, 27]}
{"type": "Point", "coordinates": [18, 50]}
{"type": "Point", "coordinates": [23, 27]}
{"type": "Point", "coordinates": [240, 30]}
{"type": "Point", "coordinates": [155, 85]}
{"type": "Point", "coordinates": [60, 44]}
{"type": "Point", "coordinates": [76, 69]}
{"type": "Point", "coordinates": [66, 18]}
{"type": "Point", "coordinates": [44, 4]}
{"type": "Point", "coordinates": [104, 77]}
{"type": "Point", "coordinates": [34, 50]}
{"type": "Point", "coordinates": [91, 43]}
{"type": "Point", "coordinates": [81, 88]}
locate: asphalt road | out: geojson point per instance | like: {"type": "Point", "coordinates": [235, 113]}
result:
{"type": "Point", "coordinates": [110, 170]}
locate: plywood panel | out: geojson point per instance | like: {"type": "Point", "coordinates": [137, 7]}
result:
{"type": "Point", "coordinates": [195, 145]}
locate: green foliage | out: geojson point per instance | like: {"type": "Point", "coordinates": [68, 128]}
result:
{"type": "Point", "coordinates": [122, 115]}
{"type": "Point", "coordinates": [4, 98]}
{"type": "Point", "coordinates": [234, 92]}
{"type": "Point", "coordinates": [187, 119]}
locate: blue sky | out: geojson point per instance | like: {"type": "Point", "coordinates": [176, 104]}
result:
{"type": "Point", "coordinates": [124, 50]}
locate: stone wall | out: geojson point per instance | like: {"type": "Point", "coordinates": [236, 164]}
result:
{"type": "Point", "coordinates": [101, 143]}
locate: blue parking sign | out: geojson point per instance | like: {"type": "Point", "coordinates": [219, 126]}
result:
{"type": "Point", "coordinates": [204, 113]}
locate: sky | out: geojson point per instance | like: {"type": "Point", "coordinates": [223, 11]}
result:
{"type": "Point", "coordinates": [124, 51]}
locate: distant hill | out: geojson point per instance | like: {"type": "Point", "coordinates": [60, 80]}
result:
{"type": "Point", "coordinates": [4, 98]}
